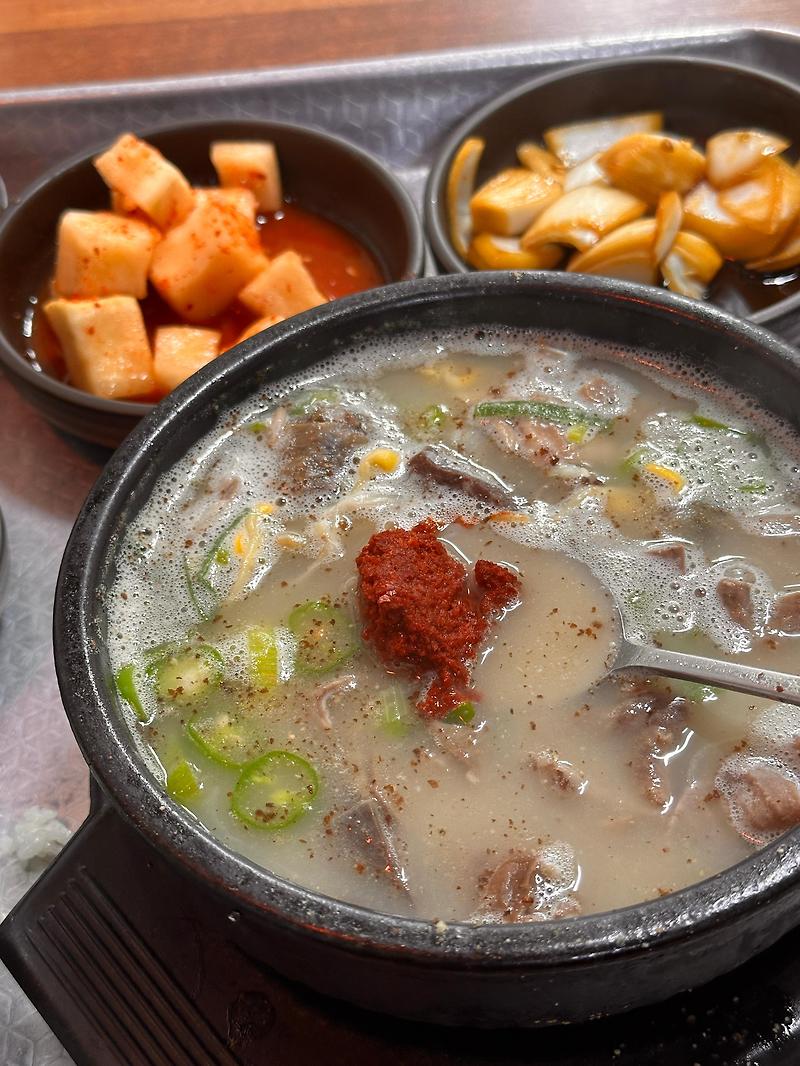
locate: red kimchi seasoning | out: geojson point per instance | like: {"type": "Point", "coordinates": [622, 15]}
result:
{"type": "Point", "coordinates": [421, 614]}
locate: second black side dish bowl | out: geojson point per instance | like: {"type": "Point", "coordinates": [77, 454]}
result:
{"type": "Point", "coordinates": [460, 974]}
{"type": "Point", "coordinates": [698, 97]}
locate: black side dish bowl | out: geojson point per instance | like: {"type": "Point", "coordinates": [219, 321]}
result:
{"type": "Point", "coordinates": [698, 97]}
{"type": "Point", "coordinates": [323, 173]}
{"type": "Point", "coordinates": [459, 974]}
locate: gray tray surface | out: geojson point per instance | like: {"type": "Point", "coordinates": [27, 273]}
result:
{"type": "Point", "coordinates": [399, 109]}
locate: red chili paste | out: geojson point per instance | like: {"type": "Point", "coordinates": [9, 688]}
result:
{"type": "Point", "coordinates": [420, 612]}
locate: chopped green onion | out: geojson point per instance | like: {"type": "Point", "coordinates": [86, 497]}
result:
{"type": "Point", "coordinates": [576, 434]}
{"type": "Point", "coordinates": [539, 411]}
{"type": "Point", "coordinates": [202, 594]}
{"type": "Point", "coordinates": [308, 402]}
{"type": "Point", "coordinates": [182, 782]}
{"type": "Point", "coordinates": [264, 657]}
{"type": "Point", "coordinates": [434, 417]}
{"type": "Point", "coordinates": [274, 791]}
{"type": "Point", "coordinates": [395, 717]}
{"type": "Point", "coordinates": [224, 738]}
{"type": "Point", "coordinates": [642, 602]}
{"type": "Point", "coordinates": [632, 462]}
{"type": "Point", "coordinates": [711, 423]}
{"type": "Point", "coordinates": [693, 691]}
{"type": "Point", "coordinates": [463, 713]}
{"type": "Point", "coordinates": [125, 680]}
{"type": "Point", "coordinates": [257, 427]}
{"type": "Point", "coordinates": [210, 558]}
{"type": "Point", "coordinates": [758, 487]}
{"type": "Point", "coordinates": [189, 675]}
{"type": "Point", "coordinates": [326, 637]}
{"type": "Point", "coordinates": [194, 592]}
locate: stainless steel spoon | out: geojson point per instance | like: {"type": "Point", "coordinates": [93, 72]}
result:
{"type": "Point", "coordinates": [784, 688]}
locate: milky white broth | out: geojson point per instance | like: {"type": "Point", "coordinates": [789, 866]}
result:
{"type": "Point", "coordinates": [618, 791]}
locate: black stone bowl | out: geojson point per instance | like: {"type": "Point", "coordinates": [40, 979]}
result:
{"type": "Point", "coordinates": [325, 174]}
{"type": "Point", "coordinates": [489, 975]}
{"type": "Point", "coordinates": [699, 97]}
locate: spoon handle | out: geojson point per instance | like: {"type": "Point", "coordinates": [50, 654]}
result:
{"type": "Point", "coordinates": [785, 688]}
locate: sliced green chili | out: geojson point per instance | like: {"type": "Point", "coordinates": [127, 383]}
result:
{"type": "Point", "coordinates": [539, 411]}
{"type": "Point", "coordinates": [224, 738]}
{"type": "Point", "coordinates": [463, 713]}
{"type": "Point", "coordinates": [274, 791]}
{"type": "Point", "coordinates": [154, 656]}
{"type": "Point", "coordinates": [182, 783]}
{"type": "Point", "coordinates": [125, 680]}
{"type": "Point", "coordinates": [188, 676]}
{"type": "Point", "coordinates": [326, 637]}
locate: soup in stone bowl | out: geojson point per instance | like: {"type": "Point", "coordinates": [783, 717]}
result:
{"type": "Point", "coordinates": [358, 620]}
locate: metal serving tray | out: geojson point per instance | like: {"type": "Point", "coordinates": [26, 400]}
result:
{"type": "Point", "coordinates": [399, 109]}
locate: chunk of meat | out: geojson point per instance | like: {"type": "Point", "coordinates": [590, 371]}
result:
{"type": "Point", "coordinates": [325, 693]}
{"type": "Point", "coordinates": [442, 466]}
{"type": "Point", "coordinates": [785, 613]}
{"type": "Point", "coordinates": [209, 497]}
{"type": "Point", "coordinates": [654, 747]}
{"type": "Point", "coordinates": [318, 446]}
{"type": "Point", "coordinates": [598, 390]}
{"type": "Point", "coordinates": [737, 600]}
{"type": "Point", "coordinates": [564, 907]}
{"type": "Point", "coordinates": [277, 425]}
{"type": "Point", "coordinates": [647, 705]}
{"type": "Point", "coordinates": [508, 892]}
{"type": "Point", "coordinates": [763, 797]}
{"type": "Point", "coordinates": [529, 887]}
{"type": "Point", "coordinates": [662, 720]}
{"type": "Point", "coordinates": [559, 773]}
{"type": "Point", "coordinates": [543, 445]}
{"type": "Point", "coordinates": [230, 488]}
{"type": "Point", "coordinates": [366, 830]}
{"type": "Point", "coordinates": [459, 742]}
{"type": "Point", "coordinates": [670, 553]}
